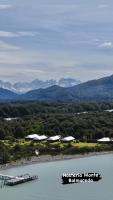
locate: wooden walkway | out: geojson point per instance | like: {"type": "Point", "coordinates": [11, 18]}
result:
{"type": "Point", "coordinates": [6, 177]}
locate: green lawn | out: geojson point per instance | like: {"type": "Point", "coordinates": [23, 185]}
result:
{"type": "Point", "coordinates": [84, 144]}
{"type": "Point", "coordinates": [23, 142]}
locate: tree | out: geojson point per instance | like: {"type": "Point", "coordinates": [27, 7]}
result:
{"type": "Point", "coordinates": [2, 134]}
{"type": "Point", "coordinates": [4, 154]}
{"type": "Point", "coordinates": [19, 132]}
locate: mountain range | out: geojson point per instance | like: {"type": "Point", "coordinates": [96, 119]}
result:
{"type": "Point", "coordinates": [23, 87]}
{"type": "Point", "coordinates": [95, 90]}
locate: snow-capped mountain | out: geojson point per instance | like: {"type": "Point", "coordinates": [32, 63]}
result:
{"type": "Point", "coordinates": [68, 82]}
{"type": "Point", "coordinates": [23, 87]}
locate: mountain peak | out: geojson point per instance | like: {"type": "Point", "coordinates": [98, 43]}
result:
{"type": "Point", "coordinates": [23, 87]}
{"type": "Point", "coordinates": [95, 90]}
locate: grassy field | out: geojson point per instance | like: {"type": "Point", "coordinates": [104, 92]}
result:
{"type": "Point", "coordinates": [84, 144]}
{"type": "Point", "coordinates": [44, 144]}
{"type": "Point", "coordinates": [27, 142]}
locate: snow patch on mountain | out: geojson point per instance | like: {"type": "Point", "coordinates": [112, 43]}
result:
{"type": "Point", "coordinates": [23, 87]}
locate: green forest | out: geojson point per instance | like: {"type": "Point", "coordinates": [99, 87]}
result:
{"type": "Point", "coordinates": [21, 109]}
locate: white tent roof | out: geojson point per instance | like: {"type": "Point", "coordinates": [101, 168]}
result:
{"type": "Point", "coordinates": [105, 139]}
{"type": "Point", "coordinates": [68, 139]}
{"type": "Point", "coordinates": [111, 110]}
{"type": "Point", "coordinates": [56, 137]}
{"type": "Point", "coordinates": [10, 118]}
{"type": "Point", "coordinates": [31, 136]}
{"type": "Point", "coordinates": [40, 137]}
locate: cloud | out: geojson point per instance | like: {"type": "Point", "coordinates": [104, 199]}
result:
{"type": "Point", "coordinates": [107, 45]}
{"type": "Point", "coordinates": [55, 38]}
{"type": "Point", "coordinates": [5, 46]}
{"type": "Point", "coordinates": [8, 34]}
{"type": "Point", "coordinates": [16, 57]}
{"type": "Point", "coordinates": [25, 33]}
{"type": "Point", "coordinates": [39, 61]}
{"type": "Point", "coordinates": [5, 6]}
{"type": "Point", "coordinates": [103, 6]}
{"type": "Point", "coordinates": [28, 65]}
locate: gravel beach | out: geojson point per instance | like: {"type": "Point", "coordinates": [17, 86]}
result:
{"type": "Point", "coordinates": [49, 158]}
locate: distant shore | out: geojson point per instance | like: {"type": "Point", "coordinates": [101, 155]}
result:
{"type": "Point", "coordinates": [49, 158]}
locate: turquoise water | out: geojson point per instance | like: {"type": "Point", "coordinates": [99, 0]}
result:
{"type": "Point", "coordinates": [49, 186]}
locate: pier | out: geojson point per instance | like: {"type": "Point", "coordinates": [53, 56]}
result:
{"type": "Point", "coordinates": [14, 180]}
{"type": "Point", "coordinates": [5, 177]}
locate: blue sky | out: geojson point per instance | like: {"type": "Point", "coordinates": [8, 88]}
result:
{"type": "Point", "coordinates": [48, 39]}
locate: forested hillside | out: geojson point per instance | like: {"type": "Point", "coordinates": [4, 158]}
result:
{"type": "Point", "coordinates": [33, 108]}
{"type": "Point", "coordinates": [83, 121]}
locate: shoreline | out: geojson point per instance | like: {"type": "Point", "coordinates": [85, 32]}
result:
{"type": "Point", "coordinates": [49, 158]}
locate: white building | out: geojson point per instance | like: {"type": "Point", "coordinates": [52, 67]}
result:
{"type": "Point", "coordinates": [40, 138]}
{"type": "Point", "coordinates": [54, 138]}
{"type": "Point", "coordinates": [111, 110]}
{"type": "Point", "coordinates": [105, 139]}
{"type": "Point", "coordinates": [68, 139]}
{"type": "Point", "coordinates": [10, 119]}
{"type": "Point", "coordinates": [31, 137]}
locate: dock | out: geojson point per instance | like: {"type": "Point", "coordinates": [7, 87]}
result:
{"type": "Point", "coordinates": [5, 177]}
{"type": "Point", "coordinates": [15, 180]}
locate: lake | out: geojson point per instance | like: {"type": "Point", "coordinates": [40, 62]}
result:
{"type": "Point", "coordinates": [49, 186]}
